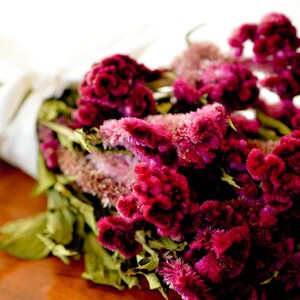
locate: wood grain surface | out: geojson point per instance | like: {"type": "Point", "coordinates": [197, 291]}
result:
{"type": "Point", "coordinates": [47, 279]}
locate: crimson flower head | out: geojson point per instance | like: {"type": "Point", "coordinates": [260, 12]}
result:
{"type": "Point", "coordinates": [115, 87]}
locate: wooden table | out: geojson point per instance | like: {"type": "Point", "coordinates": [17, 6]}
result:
{"type": "Point", "coordinates": [48, 278]}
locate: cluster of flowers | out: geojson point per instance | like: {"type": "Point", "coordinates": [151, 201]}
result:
{"type": "Point", "coordinates": [222, 184]}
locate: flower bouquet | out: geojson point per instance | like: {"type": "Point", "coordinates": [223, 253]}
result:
{"type": "Point", "coordinates": [188, 175]}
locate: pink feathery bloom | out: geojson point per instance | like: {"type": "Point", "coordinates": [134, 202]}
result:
{"type": "Point", "coordinates": [181, 277]}
{"type": "Point", "coordinates": [116, 233]}
{"type": "Point", "coordinates": [115, 87]}
{"type": "Point", "coordinates": [198, 138]}
{"type": "Point", "coordinates": [191, 63]}
{"type": "Point", "coordinates": [163, 198]}
{"type": "Point", "coordinates": [145, 140]}
{"type": "Point", "coordinates": [231, 84]}
{"type": "Point", "coordinates": [105, 175]}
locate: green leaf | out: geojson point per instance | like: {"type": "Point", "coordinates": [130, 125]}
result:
{"type": "Point", "coordinates": [231, 125]}
{"type": "Point", "coordinates": [85, 209]}
{"type": "Point", "coordinates": [20, 238]}
{"type": "Point", "coordinates": [164, 108]}
{"type": "Point", "coordinates": [60, 220]}
{"type": "Point", "coordinates": [46, 178]}
{"type": "Point", "coordinates": [229, 179]}
{"type": "Point", "coordinates": [275, 275]}
{"type": "Point", "coordinates": [51, 109]}
{"type": "Point", "coordinates": [57, 250]}
{"type": "Point", "coordinates": [167, 244]}
{"type": "Point", "coordinates": [273, 123]}
{"type": "Point", "coordinates": [67, 137]}
{"type": "Point", "coordinates": [154, 282]}
{"type": "Point", "coordinates": [100, 266]}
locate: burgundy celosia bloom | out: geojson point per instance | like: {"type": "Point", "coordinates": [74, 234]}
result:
{"type": "Point", "coordinates": [163, 198]}
{"type": "Point", "coordinates": [278, 172]}
{"type": "Point", "coordinates": [274, 42]}
{"type": "Point", "coordinates": [285, 86]}
{"type": "Point", "coordinates": [181, 277]}
{"type": "Point", "coordinates": [145, 140]}
{"type": "Point", "coordinates": [115, 87]}
{"type": "Point", "coordinates": [230, 84]}
{"type": "Point", "coordinates": [115, 233]}
{"type": "Point", "coordinates": [241, 35]}
{"type": "Point", "coordinates": [185, 92]}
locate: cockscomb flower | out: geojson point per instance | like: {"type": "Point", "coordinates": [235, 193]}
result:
{"type": "Point", "coordinates": [145, 140]}
{"type": "Point", "coordinates": [274, 40]}
{"type": "Point", "coordinates": [181, 277]}
{"type": "Point", "coordinates": [163, 197]}
{"type": "Point", "coordinates": [224, 260]}
{"type": "Point", "coordinates": [198, 138]}
{"type": "Point", "coordinates": [115, 87]}
{"type": "Point", "coordinates": [278, 172]}
{"type": "Point", "coordinates": [232, 85]}
{"type": "Point", "coordinates": [115, 233]}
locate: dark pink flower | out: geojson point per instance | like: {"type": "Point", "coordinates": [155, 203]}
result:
{"type": "Point", "coordinates": [232, 85]}
{"type": "Point", "coordinates": [115, 87]}
{"type": "Point", "coordinates": [181, 277]}
{"type": "Point", "coordinates": [115, 233]}
{"type": "Point", "coordinates": [185, 92]}
{"type": "Point", "coordinates": [241, 35]}
{"type": "Point", "coordinates": [163, 198]}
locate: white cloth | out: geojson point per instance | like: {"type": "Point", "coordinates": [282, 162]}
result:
{"type": "Point", "coordinates": [43, 46]}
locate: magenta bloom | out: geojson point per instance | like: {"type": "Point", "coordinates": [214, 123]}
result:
{"type": "Point", "coordinates": [183, 279]}
{"type": "Point", "coordinates": [163, 198]}
{"type": "Point", "coordinates": [230, 84]}
{"type": "Point", "coordinates": [115, 87]}
{"type": "Point", "coordinates": [278, 172]}
{"type": "Point", "coordinates": [115, 233]}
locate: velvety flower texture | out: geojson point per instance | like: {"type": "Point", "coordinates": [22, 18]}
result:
{"type": "Point", "coordinates": [115, 87]}
{"type": "Point", "coordinates": [275, 40]}
{"type": "Point", "coordinates": [163, 198]}
{"type": "Point", "coordinates": [116, 233]}
{"type": "Point", "coordinates": [184, 280]}
{"type": "Point", "coordinates": [278, 172]}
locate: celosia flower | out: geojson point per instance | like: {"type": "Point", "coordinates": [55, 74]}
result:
{"type": "Point", "coordinates": [163, 197]}
{"type": "Point", "coordinates": [181, 277]}
{"type": "Point", "coordinates": [230, 84]}
{"type": "Point", "coordinates": [115, 87]}
{"type": "Point", "coordinates": [198, 138]}
{"type": "Point", "coordinates": [106, 175]}
{"type": "Point", "coordinates": [238, 290]}
{"type": "Point", "coordinates": [115, 233]}
{"type": "Point", "coordinates": [145, 140]}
